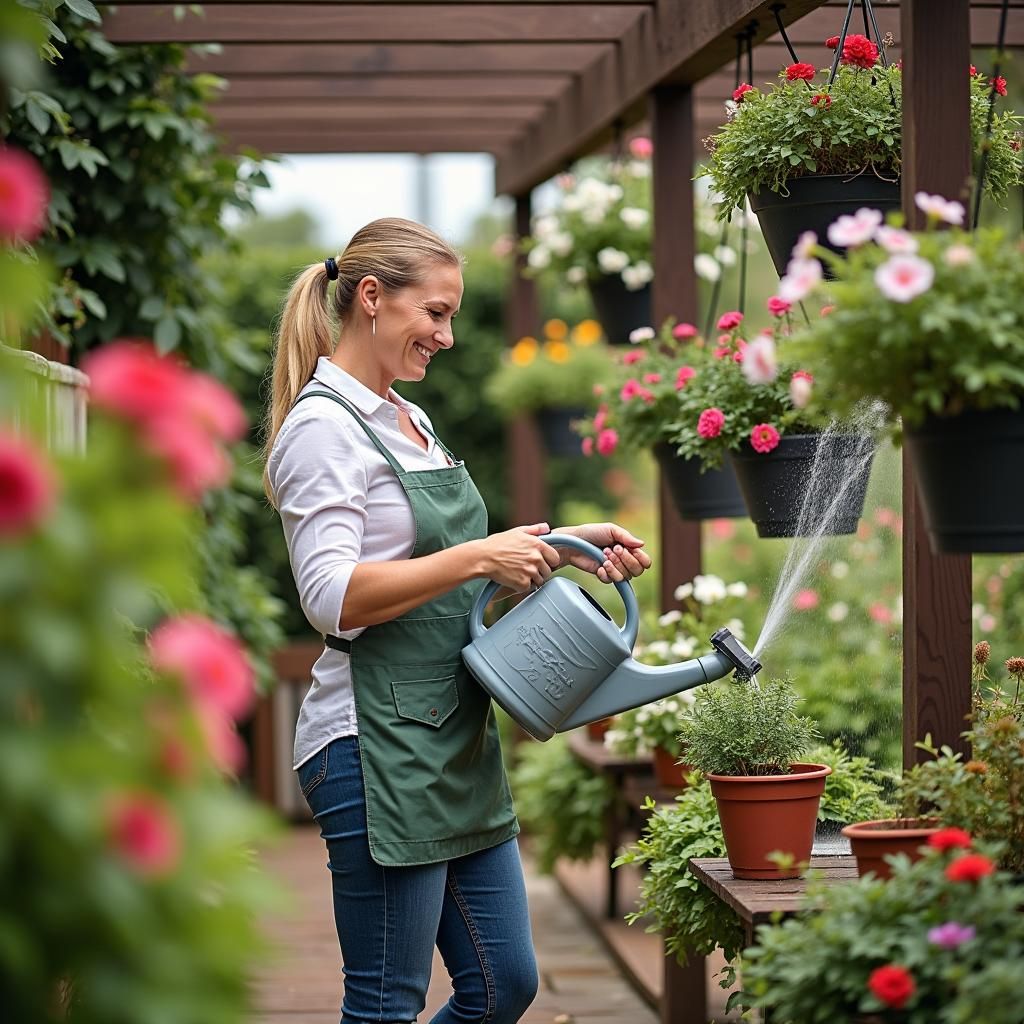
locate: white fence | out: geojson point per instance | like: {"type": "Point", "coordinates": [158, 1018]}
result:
{"type": "Point", "coordinates": [62, 392]}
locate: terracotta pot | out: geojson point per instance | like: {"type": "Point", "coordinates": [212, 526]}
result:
{"type": "Point", "coordinates": [872, 841]}
{"type": "Point", "coordinates": [764, 813]}
{"type": "Point", "coordinates": [596, 730]}
{"type": "Point", "coordinates": [667, 772]}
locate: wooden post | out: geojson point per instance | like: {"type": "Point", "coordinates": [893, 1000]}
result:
{"type": "Point", "coordinates": [936, 588]}
{"type": "Point", "coordinates": [684, 999]}
{"type": "Point", "coordinates": [525, 450]}
{"type": "Point", "coordinates": [674, 292]}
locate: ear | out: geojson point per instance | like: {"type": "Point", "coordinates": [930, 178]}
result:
{"type": "Point", "coordinates": [368, 293]}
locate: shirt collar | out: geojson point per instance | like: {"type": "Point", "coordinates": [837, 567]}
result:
{"type": "Point", "coordinates": [334, 377]}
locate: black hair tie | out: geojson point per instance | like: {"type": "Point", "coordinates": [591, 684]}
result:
{"type": "Point", "coordinates": [332, 268]}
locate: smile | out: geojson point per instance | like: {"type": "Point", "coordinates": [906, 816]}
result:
{"type": "Point", "coordinates": [425, 352]}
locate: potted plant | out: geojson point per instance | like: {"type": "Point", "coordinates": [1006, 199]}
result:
{"type": "Point", "coordinates": [553, 379]}
{"type": "Point", "coordinates": [804, 151]}
{"type": "Point", "coordinates": [942, 940]}
{"type": "Point", "coordinates": [746, 737]}
{"type": "Point", "coordinates": [797, 473]}
{"type": "Point", "coordinates": [639, 410]}
{"type": "Point", "coordinates": [928, 323]}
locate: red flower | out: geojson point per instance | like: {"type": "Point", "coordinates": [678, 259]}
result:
{"type": "Point", "coordinates": [24, 196]}
{"type": "Point", "coordinates": [950, 839]}
{"type": "Point", "coordinates": [684, 374]}
{"type": "Point", "coordinates": [641, 147]}
{"type": "Point", "coordinates": [971, 867]}
{"type": "Point", "coordinates": [144, 833]}
{"type": "Point", "coordinates": [27, 486]}
{"type": "Point", "coordinates": [974, 71]}
{"type": "Point", "coordinates": [892, 985]}
{"type": "Point", "coordinates": [764, 438]}
{"type": "Point", "coordinates": [859, 51]}
{"type": "Point", "coordinates": [727, 321]}
{"type": "Point", "coordinates": [821, 99]}
{"type": "Point", "coordinates": [196, 462]}
{"type": "Point", "coordinates": [800, 72]}
{"type": "Point", "coordinates": [999, 84]}
{"type": "Point", "coordinates": [832, 42]}
{"type": "Point", "coordinates": [778, 307]}
{"type": "Point", "coordinates": [131, 379]}
{"type": "Point", "coordinates": [740, 91]}
{"type": "Point", "coordinates": [215, 407]}
{"type": "Point", "coordinates": [710, 423]}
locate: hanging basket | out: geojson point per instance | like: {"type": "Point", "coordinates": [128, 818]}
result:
{"type": "Point", "coordinates": [618, 309]}
{"type": "Point", "coordinates": [812, 204]}
{"type": "Point", "coordinates": [970, 475]}
{"type": "Point", "coordinates": [713, 494]}
{"type": "Point", "coordinates": [555, 425]}
{"type": "Point", "coordinates": [774, 485]}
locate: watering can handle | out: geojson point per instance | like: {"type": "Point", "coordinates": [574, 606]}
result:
{"type": "Point", "coordinates": [563, 540]}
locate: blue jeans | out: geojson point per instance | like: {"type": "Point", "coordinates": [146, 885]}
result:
{"type": "Point", "coordinates": [389, 919]}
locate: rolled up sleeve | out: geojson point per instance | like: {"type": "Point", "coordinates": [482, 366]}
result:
{"type": "Point", "coordinates": [320, 485]}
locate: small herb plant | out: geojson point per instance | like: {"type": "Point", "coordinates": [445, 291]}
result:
{"type": "Point", "coordinates": [744, 728]}
{"type": "Point", "coordinates": [800, 126]}
{"type": "Point", "coordinates": [562, 370]}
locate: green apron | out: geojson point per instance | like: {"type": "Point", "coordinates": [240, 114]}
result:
{"type": "Point", "coordinates": [432, 768]}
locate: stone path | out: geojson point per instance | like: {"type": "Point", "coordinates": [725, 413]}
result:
{"type": "Point", "coordinates": [579, 982]}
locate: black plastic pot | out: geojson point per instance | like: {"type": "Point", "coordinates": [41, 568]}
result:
{"type": "Point", "coordinates": [713, 494]}
{"type": "Point", "coordinates": [812, 204]}
{"type": "Point", "coordinates": [618, 309]}
{"type": "Point", "coordinates": [776, 485]}
{"type": "Point", "coordinates": [970, 475]}
{"type": "Point", "coordinates": [555, 425]}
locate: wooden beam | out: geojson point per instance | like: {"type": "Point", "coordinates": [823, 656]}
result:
{"type": "Point", "coordinates": [435, 115]}
{"type": "Point", "coordinates": [368, 59]}
{"type": "Point", "coordinates": [404, 3]}
{"type": "Point", "coordinates": [268, 139]}
{"type": "Point", "coordinates": [936, 588]}
{"type": "Point", "coordinates": [371, 23]}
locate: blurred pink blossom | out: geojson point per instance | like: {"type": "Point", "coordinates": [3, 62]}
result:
{"type": "Point", "coordinates": [24, 196]}
{"type": "Point", "coordinates": [710, 423]}
{"type": "Point", "coordinates": [222, 740]}
{"type": "Point", "coordinates": [587, 446]}
{"type": "Point", "coordinates": [27, 486]}
{"type": "Point", "coordinates": [684, 374]}
{"type": "Point", "coordinates": [682, 331]}
{"type": "Point", "coordinates": [778, 307]}
{"type": "Point", "coordinates": [600, 418]}
{"type": "Point", "coordinates": [215, 408]}
{"type": "Point", "coordinates": [143, 832]}
{"type": "Point", "coordinates": [728, 321]}
{"type": "Point", "coordinates": [131, 379]}
{"type": "Point", "coordinates": [641, 147]}
{"type": "Point", "coordinates": [652, 378]}
{"type": "Point", "coordinates": [723, 529]}
{"type": "Point", "coordinates": [633, 356]}
{"type": "Point", "coordinates": [196, 461]}
{"type": "Point", "coordinates": [903, 278]}
{"type": "Point", "coordinates": [805, 600]}
{"type": "Point", "coordinates": [607, 440]}
{"type": "Point", "coordinates": [880, 613]}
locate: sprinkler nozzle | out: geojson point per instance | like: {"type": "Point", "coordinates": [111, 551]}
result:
{"type": "Point", "coordinates": [747, 666]}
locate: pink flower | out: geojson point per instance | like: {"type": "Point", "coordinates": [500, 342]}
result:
{"type": "Point", "coordinates": [216, 408]}
{"type": "Point", "coordinates": [999, 84]}
{"type": "Point", "coordinates": [741, 91]}
{"type": "Point", "coordinates": [723, 529]}
{"type": "Point", "coordinates": [645, 396]}
{"type": "Point", "coordinates": [885, 516]}
{"type": "Point", "coordinates": [144, 833]}
{"type": "Point", "coordinates": [804, 245]}
{"type": "Point", "coordinates": [131, 379]}
{"type": "Point", "coordinates": [222, 740]}
{"type": "Point", "coordinates": [722, 351]}
{"type": "Point", "coordinates": [682, 331]}
{"type": "Point", "coordinates": [641, 147]}
{"type": "Point", "coordinates": [759, 364]}
{"type": "Point", "coordinates": [728, 321]}
{"type": "Point", "coordinates": [764, 438]}
{"type": "Point", "coordinates": [825, 310]}
{"type": "Point", "coordinates": [800, 386]}
{"type": "Point", "coordinates": [938, 208]}
{"type": "Point", "coordinates": [778, 307]}
{"type": "Point", "coordinates": [800, 72]}
{"type": "Point", "coordinates": [710, 423]}
{"type": "Point", "coordinates": [806, 600]}
{"type": "Point", "coordinates": [635, 355]}
{"type": "Point", "coordinates": [895, 240]}
{"type": "Point", "coordinates": [854, 230]}
{"type": "Point", "coordinates": [196, 462]}
{"type": "Point", "coordinates": [903, 278]}
{"type": "Point", "coordinates": [630, 390]}
{"type": "Point", "coordinates": [741, 351]}
{"type": "Point", "coordinates": [801, 276]}
{"type": "Point", "coordinates": [600, 418]}
{"type": "Point", "coordinates": [587, 446]}
{"type": "Point", "coordinates": [859, 51]}
{"type": "Point", "coordinates": [804, 375]}
{"type": "Point", "coordinates": [683, 374]}
{"type": "Point", "coordinates": [598, 389]}
{"type": "Point", "coordinates": [210, 661]}
{"type": "Point", "coordinates": [24, 196]}
{"type": "Point", "coordinates": [607, 440]}
{"type": "Point", "coordinates": [27, 486]}
{"type": "Point", "coordinates": [974, 71]}
{"type": "Point", "coordinates": [821, 99]}
{"type": "Point", "coordinates": [958, 255]}
{"type": "Point", "coordinates": [652, 378]}
{"type": "Point", "coordinates": [951, 934]}
{"type": "Point", "coordinates": [880, 613]}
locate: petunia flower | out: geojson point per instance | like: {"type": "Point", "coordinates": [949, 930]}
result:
{"type": "Point", "coordinates": [895, 240]}
{"type": "Point", "coordinates": [856, 229]}
{"type": "Point", "coordinates": [801, 276]}
{"type": "Point", "coordinates": [904, 278]}
{"type": "Point", "coordinates": [640, 334]}
{"type": "Point", "coordinates": [759, 362]}
{"type": "Point", "coordinates": [939, 208]}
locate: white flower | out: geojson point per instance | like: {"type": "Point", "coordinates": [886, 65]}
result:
{"type": "Point", "coordinates": [612, 261]}
{"type": "Point", "coordinates": [977, 610]}
{"type": "Point", "coordinates": [987, 623]}
{"type": "Point", "coordinates": [800, 389]}
{"type": "Point", "coordinates": [840, 570]}
{"type": "Point", "coordinates": [801, 276]}
{"type": "Point", "coordinates": [576, 275]}
{"type": "Point", "coordinates": [735, 626]}
{"type": "Point", "coordinates": [639, 334]}
{"type": "Point", "coordinates": [634, 217]}
{"type": "Point", "coordinates": [635, 277]}
{"type": "Point", "coordinates": [902, 278]}
{"type": "Point", "coordinates": [593, 214]}
{"type": "Point", "coordinates": [738, 589]}
{"type": "Point", "coordinates": [731, 106]}
{"type": "Point", "coordinates": [560, 243]}
{"type": "Point", "coordinates": [670, 618]}
{"type": "Point", "coordinates": [856, 229]}
{"type": "Point", "coordinates": [660, 649]}
{"type": "Point", "coordinates": [572, 203]}
{"type": "Point", "coordinates": [683, 648]}
{"type": "Point", "coordinates": [683, 591]}
{"type": "Point", "coordinates": [639, 168]}
{"type": "Point", "coordinates": [958, 255]}
{"type": "Point", "coordinates": [898, 609]}
{"type": "Point", "coordinates": [544, 227]}
{"type": "Point", "coordinates": [540, 257]}
{"type": "Point", "coordinates": [895, 240]}
{"type": "Point", "coordinates": [726, 255]}
{"type": "Point", "coordinates": [838, 611]}
{"type": "Point", "coordinates": [708, 589]}
{"type": "Point", "coordinates": [805, 245]}
{"type": "Point", "coordinates": [688, 696]}
{"type": "Point", "coordinates": [706, 267]}
{"type": "Point", "coordinates": [759, 364]}
{"type": "Point", "coordinates": [948, 210]}
{"type": "Point", "coordinates": [642, 715]}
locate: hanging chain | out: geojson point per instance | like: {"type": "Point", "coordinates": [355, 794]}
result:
{"type": "Point", "coordinates": [776, 8]}
{"type": "Point", "coordinates": [980, 183]}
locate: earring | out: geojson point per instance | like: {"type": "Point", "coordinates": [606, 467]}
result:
{"type": "Point", "coordinates": [373, 326]}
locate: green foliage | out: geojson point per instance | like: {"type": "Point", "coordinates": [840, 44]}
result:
{"type": "Point", "coordinates": [815, 969]}
{"type": "Point", "coordinates": [561, 802]}
{"type": "Point", "coordinates": [744, 728]}
{"type": "Point", "coordinates": [855, 789]}
{"type": "Point", "coordinates": [957, 346]}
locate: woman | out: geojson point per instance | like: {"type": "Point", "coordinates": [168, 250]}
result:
{"type": "Point", "coordinates": [396, 746]}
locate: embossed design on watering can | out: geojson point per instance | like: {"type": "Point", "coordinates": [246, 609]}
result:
{"type": "Point", "coordinates": [557, 661]}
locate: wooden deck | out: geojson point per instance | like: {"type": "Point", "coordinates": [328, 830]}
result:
{"type": "Point", "coordinates": [580, 984]}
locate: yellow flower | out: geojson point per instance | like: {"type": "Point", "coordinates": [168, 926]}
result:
{"type": "Point", "coordinates": [557, 351]}
{"type": "Point", "coordinates": [556, 330]}
{"type": "Point", "coordinates": [524, 351]}
{"type": "Point", "coordinates": [587, 332]}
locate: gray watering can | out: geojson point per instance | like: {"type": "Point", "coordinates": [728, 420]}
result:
{"type": "Point", "coordinates": [557, 660]}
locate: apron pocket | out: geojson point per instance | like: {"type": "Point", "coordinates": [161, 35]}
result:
{"type": "Point", "coordinates": [429, 701]}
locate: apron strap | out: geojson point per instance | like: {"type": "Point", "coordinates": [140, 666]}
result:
{"type": "Point", "coordinates": [451, 458]}
{"type": "Point", "coordinates": [337, 643]}
{"type": "Point", "coordinates": [378, 443]}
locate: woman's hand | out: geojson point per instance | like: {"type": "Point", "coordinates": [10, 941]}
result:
{"type": "Point", "coordinates": [624, 558]}
{"type": "Point", "coordinates": [518, 559]}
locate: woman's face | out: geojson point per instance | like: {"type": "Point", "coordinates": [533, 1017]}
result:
{"type": "Point", "coordinates": [414, 324]}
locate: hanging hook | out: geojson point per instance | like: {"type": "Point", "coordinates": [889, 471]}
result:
{"type": "Point", "coordinates": [776, 9]}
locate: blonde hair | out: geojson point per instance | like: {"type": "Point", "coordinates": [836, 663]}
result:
{"type": "Point", "coordinates": [395, 251]}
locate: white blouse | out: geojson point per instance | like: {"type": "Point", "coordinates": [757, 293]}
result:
{"type": "Point", "coordinates": [341, 504]}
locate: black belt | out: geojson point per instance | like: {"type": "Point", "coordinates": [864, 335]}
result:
{"type": "Point", "coordinates": [336, 643]}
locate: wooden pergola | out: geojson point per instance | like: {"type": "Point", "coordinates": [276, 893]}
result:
{"type": "Point", "coordinates": [540, 85]}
